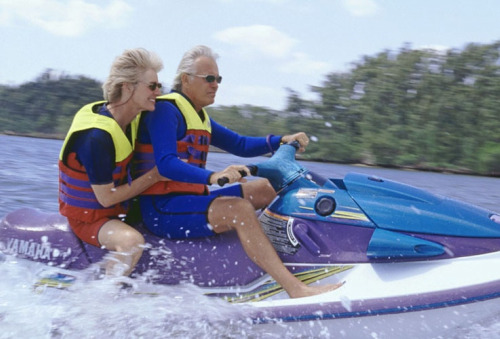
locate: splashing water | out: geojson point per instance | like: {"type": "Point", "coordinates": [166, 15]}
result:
{"type": "Point", "coordinates": [101, 309]}
{"type": "Point", "coordinates": [97, 309]}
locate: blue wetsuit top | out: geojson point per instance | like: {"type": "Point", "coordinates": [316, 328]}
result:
{"type": "Point", "coordinates": [95, 150]}
{"type": "Point", "coordinates": [166, 124]}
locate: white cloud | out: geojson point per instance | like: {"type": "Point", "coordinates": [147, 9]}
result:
{"type": "Point", "coordinates": [66, 18]}
{"type": "Point", "coordinates": [272, 2]}
{"type": "Point", "coordinates": [252, 42]}
{"type": "Point", "coordinates": [361, 7]}
{"type": "Point", "coordinates": [300, 63]}
{"type": "Point", "coordinates": [258, 40]}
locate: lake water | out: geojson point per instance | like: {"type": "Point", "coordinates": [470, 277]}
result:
{"type": "Point", "coordinates": [28, 178]}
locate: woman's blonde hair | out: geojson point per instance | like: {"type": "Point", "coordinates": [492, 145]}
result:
{"type": "Point", "coordinates": [129, 67]}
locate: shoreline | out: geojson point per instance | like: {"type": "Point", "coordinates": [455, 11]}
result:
{"type": "Point", "coordinates": [34, 135]}
{"type": "Point", "coordinates": [215, 149]}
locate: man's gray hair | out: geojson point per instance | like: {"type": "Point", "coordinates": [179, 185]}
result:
{"type": "Point", "coordinates": [187, 64]}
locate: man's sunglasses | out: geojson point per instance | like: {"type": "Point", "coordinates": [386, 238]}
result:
{"type": "Point", "coordinates": [209, 78]}
{"type": "Point", "coordinates": [152, 86]}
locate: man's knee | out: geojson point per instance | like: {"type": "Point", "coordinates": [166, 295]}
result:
{"type": "Point", "coordinates": [259, 192]}
{"type": "Point", "coordinates": [230, 211]}
{"type": "Point", "coordinates": [239, 206]}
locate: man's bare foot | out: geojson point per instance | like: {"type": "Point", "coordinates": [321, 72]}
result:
{"type": "Point", "coordinates": [308, 291]}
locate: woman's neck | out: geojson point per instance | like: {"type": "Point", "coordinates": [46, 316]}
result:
{"type": "Point", "coordinates": [122, 113]}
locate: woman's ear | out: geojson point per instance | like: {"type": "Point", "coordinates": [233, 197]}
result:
{"type": "Point", "coordinates": [127, 87]}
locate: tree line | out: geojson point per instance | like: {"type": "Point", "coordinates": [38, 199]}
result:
{"type": "Point", "coordinates": [423, 109]}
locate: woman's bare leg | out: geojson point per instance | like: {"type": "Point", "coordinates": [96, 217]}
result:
{"type": "Point", "coordinates": [126, 243]}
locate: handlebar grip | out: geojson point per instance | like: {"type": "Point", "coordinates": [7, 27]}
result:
{"type": "Point", "coordinates": [295, 144]}
{"type": "Point", "coordinates": [253, 169]}
{"type": "Point", "coordinates": [224, 180]}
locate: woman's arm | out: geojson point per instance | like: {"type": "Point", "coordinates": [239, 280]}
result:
{"type": "Point", "coordinates": [109, 194]}
{"type": "Point", "coordinates": [95, 151]}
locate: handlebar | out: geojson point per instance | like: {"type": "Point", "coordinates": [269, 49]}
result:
{"type": "Point", "coordinates": [295, 144]}
{"type": "Point", "coordinates": [281, 169]}
{"type": "Point", "coordinates": [224, 180]}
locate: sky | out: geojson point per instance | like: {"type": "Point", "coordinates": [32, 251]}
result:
{"type": "Point", "coordinates": [265, 46]}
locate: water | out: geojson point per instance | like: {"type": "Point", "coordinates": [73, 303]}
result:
{"type": "Point", "coordinates": [28, 178]}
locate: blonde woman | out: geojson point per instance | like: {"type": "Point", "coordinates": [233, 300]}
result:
{"type": "Point", "coordinates": [94, 178]}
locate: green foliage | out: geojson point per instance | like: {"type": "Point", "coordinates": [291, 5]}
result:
{"type": "Point", "coordinates": [415, 108]}
{"type": "Point", "coordinates": [46, 106]}
{"type": "Point", "coordinates": [489, 159]}
{"type": "Point", "coordinates": [419, 108]}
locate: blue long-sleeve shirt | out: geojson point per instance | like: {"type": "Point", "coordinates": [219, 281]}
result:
{"type": "Point", "coordinates": [95, 150]}
{"type": "Point", "coordinates": [166, 125]}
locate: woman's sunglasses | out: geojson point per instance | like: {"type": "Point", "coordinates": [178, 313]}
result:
{"type": "Point", "coordinates": [153, 86]}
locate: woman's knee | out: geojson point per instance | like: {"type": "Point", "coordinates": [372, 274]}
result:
{"type": "Point", "coordinates": [119, 236]}
{"type": "Point", "coordinates": [132, 238]}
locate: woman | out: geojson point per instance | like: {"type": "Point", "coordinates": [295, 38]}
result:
{"type": "Point", "coordinates": [94, 184]}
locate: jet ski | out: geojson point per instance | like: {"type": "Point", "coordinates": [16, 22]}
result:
{"type": "Point", "coordinates": [408, 257]}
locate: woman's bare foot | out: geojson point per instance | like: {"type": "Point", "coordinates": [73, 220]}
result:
{"type": "Point", "coordinates": [308, 291]}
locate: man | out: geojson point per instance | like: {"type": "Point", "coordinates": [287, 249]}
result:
{"type": "Point", "coordinates": [176, 137]}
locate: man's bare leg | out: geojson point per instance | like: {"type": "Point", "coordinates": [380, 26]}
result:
{"type": "Point", "coordinates": [228, 213]}
{"type": "Point", "coordinates": [259, 192]}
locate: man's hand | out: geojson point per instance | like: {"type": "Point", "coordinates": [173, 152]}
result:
{"type": "Point", "coordinates": [233, 173]}
{"type": "Point", "coordinates": [300, 137]}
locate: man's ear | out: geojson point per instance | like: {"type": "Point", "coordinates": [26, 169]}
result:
{"type": "Point", "coordinates": [184, 78]}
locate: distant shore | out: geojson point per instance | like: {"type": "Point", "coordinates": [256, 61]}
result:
{"type": "Point", "coordinates": [215, 149]}
{"type": "Point", "coordinates": [34, 135]}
